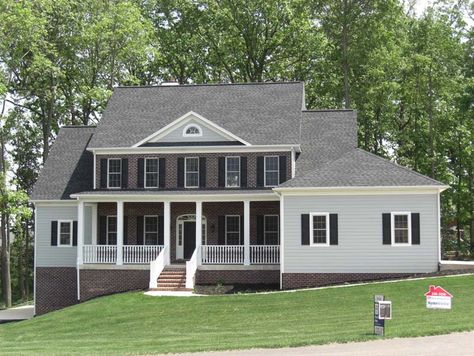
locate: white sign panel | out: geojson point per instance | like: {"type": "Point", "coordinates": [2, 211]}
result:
{"type": "Point", "coordinates": [438, 298]}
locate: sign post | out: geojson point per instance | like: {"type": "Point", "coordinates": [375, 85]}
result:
{"type": "Point", "coordinates": [379, 324]}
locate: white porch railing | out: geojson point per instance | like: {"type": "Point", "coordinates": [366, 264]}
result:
{"type": "Point", "coordinates": [133, 254]}
{"type": "Point", "coordinates": [264, 254]}
{"type": "Point", "coordinates": [191, 267]}
{"type": "Point", "coordinates": [157, 266]}
{"type": "Point", "coordinates": [99, 254]}
{"type": "Point", "coordinates": [222, 254]}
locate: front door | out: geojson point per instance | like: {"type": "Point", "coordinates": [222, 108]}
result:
{"type": "Point", "coordinates": [189, 239]}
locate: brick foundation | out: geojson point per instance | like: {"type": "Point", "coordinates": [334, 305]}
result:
{"type": "Point", "coordinates": [98, 282]}
{"type": "Point", "coordinates": [56, 288]}
{"type": "Point", "coordinates": [238, 276]}
{"type": "Point", "coordinates": [302, 280]}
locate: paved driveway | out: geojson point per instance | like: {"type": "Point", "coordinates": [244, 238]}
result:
{"type": "Point", "coordinates": [19, 313]}
{"type": "Point", "coordinates": [459, 344]}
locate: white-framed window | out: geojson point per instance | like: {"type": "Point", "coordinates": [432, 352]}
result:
{"type": "Point", "coordinates": [192, 130]}
{"type": "Point", "coordinates": [111, 230]}
{"type": "Point", "coordinates": [150, 230]}
{"type": "Point", "coordinates": [232, 229]}
{"type": "Point", "coordinates": [232, 172]}
{"type": "Point", "coordinates": [65, 233]}
{"type": "Point", "coordinates": [191, 172]}
{"type": "Point", "coordinates": [272, 171]}
{"type": "Point", "coordinates": [319, 229]}
{"type": "Point", "coordinates": [271, 230]}
{"type": "Point", "coordinates": [151, 172]}
{"type": "Point", "coordinates": [114, 173]}
{"type": "Point", "coordinates": [401, 228]}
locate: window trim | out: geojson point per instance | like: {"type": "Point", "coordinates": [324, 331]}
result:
{"type": "Point", "coordinates": [265, 230]}
{"type": "Point", "coordinates": [107, 230]}
{"type": "Point", "coordinates": [192, 135]}
{"type": "Point", "coordinates": [157, 229]}
{"type": "Point", "coordinates": [186, 171]}
{"type": "Point", "coordinates": [157, 173]}
{"type": "Point", "coordinates": [233, 232]}
{"type": "Point", "coordinates": [240, 171]}
{"type": "Point", "coordinates": [392, 228]}
{"type": "Point", "coordinates": [71, 233]}
{"type": "Point", "coordinates": [265, 171]}
{"type": "Point", "coordinates": [311, 230]}
{"type": "Point", "coordinates": [119, 173]}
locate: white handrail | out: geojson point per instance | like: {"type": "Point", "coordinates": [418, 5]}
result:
{"type": "Point", "coordinates": [133, 254]}
{"type": "Point", "coordinates": [191, 268]}
{"type": "Point", "coordinates": [157, 266]}
{"type": "Point", "coordinates": [99, 253]}
{"type": "Point", "coordinates": [223, 254]}
{"type": "Point", "coordinates": [264, 254]}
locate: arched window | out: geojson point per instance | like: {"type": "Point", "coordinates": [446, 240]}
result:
{"type": "Point", "coordinates": [192, 130]}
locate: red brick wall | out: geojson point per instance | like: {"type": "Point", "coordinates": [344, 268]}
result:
{"type": "Point", "coordinates": [238, 276]}
{"type": "Point", "coordinates": [56, 288]}
{"type": "Point", "coordinates": [212, 175]}
{"type": "Point", "coordinates": [302, 280]}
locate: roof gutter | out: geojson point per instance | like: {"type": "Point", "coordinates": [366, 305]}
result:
{"type": "Point", "coordinates": [362, 190]}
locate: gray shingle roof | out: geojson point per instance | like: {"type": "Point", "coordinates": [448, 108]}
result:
{"type": "Point", "coordinates": [180, 192]}
{"type": "Point", "coordinates": [68, 168]}
{"type": "Point", "coordinates": [358, 168]}
{"type": "Point", "coordinates": [260, 113]}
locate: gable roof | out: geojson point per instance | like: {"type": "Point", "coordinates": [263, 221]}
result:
{"type": "Point", "coordinates": [258, 113]}
{"type": "Point", "coordinates": [69, 166]}
{"type": "Point", "coordinates": [359, 168]}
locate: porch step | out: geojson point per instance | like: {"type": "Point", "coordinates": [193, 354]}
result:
{"type": "Point", "coordinates": [173, 278]}
{"type": "Point", "coordinates": [161, 289]}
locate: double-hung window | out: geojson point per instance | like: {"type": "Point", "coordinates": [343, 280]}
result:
{"type": "Point", "coordinates": [151, 172]}
{"type": "Point", "coordinates": [150, 230]}
{"type": "Point", "coordinates": [401, 228]}
{"type": "Point", "coordinates": [271, 230]}
{"type": "Point", "coordinates": [191, 172]}
{"type": "Point", "coordinates": [114, 174]}
{"type": "Point", "coordinates": [232, 172]}
{"type": "Point", "coordinates": [319, 229]}
{"type": "Point", "coordinates": [232, 230]}
{"type": "Point", "coordinates": [111, 230]}
{"type": "Point", "coordinates": [65, 233]}
{"type": "Point", "coordinates": [272, 171]}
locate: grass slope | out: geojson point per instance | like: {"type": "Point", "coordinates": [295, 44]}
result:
{"type": "Point", "coordinates": [135, 323]}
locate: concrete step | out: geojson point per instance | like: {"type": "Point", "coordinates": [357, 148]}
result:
{"type": "Point", "coordinates": [179, 289]}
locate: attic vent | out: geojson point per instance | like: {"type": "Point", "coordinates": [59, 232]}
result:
{"type": "Point", "coordinates": [192, 130]}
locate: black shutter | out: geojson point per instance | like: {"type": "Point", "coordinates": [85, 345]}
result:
{"type": "Point", "coordinates": [283, 169]}
{"type": "Point", "coordinates": [242, 229]}
{"type": "Point", "coordinates": [125, 229]}
{"type": "Point", "coordinates": [202, 172]}
{"type": "Point", "coordinates": [141, 173]}
{"type": "Point", "coordinates": [74, 233]}
{"type": "Point", "coordinates": [243, 172]}
{"type": "Point", "coordinates": [54, 233]}
{"type": "Point", "coordinates": [260, 230]}
{"type": "Point", "coordinates": [180, 172]}
{"type": "Point", "coordinates": [161, 230]}
{"type": "Point", "coordinates": [260, 171]}
{"type": "Point", "coordinates": [140, 230]}
{"type": "Point", "coordinates": [305, 229]}
{"type": "Point", "coordinates": [415, 228]}
{"type": "Point", "coordinates": [221, 168]}
{"type": "Point", "coordinates": [103, 172]}
{"type": "Point", "coordinates": [333, 233]}
{"type": "Point", "coordinates": [386, 228]}
{"type": "Point", "coordinates": [102, 230]}
{"type": "Point", "coordinates": [124, 172]}
{"type": "Point", "coordinates": [162, 170]}
{"type": "Point", "coordinates": [221, 230]}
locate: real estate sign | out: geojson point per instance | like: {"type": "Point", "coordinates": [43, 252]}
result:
{"type": "Point", "coordinates": [438, 298]}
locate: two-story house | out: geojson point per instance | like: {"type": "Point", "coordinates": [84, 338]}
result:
{"type": "Point", "coordinates": [232, 183]}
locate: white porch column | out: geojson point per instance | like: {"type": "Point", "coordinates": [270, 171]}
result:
{"type": "Point", "coordinates": [246, 232]}
{"type": "Point", "coordinates": [198, 230]}
{"type": "Point", "coordinates": [94, 224]}
{"type": "Point", "coordinates": [80, 232]}
{"type": "Point", "coordinates": [167, 228]}
{"type": "Point", "coordinates": [120, 232]}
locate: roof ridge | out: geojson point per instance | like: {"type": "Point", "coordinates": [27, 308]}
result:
{"type": "Point", "coordinates": [78, 126]}
{"type": "Point", "coordinates": [204, 84]}
{"type": "Point", "coordinates": [328, 110]}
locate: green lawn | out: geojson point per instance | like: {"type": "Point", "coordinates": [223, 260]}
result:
{"type": "Point", "coordinates": [134, 323]}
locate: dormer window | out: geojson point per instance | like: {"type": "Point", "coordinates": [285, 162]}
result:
{"type": "Point", "coordinates": [192, 130]}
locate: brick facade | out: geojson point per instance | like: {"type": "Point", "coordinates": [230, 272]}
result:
{"type": "Point", "coordinates": [303, 280]}
{"type": "Point", "coordinates": [97, 282]}
{"type": "Point", "coordinates": [238, 277]}
{"type": "Point", "coordinates": [212, 172]}
{"type": "Point", "coordinates": [56, 288]}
